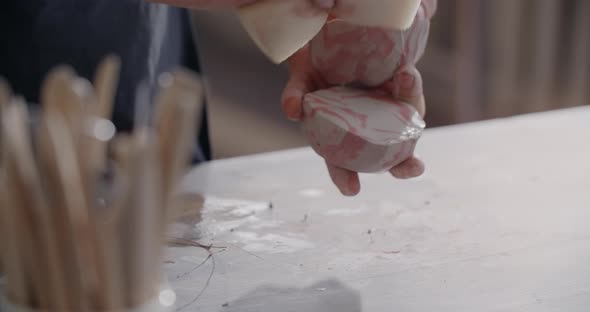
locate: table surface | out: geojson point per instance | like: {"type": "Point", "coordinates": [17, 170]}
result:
{"type": "Point", "coordinates": [499, 222]}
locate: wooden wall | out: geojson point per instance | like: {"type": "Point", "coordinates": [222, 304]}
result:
{"type": "Point", "coordinates": [498, 58]}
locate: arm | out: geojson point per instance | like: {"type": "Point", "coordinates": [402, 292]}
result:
{"type": "Point", "coordinates": [227, 4]}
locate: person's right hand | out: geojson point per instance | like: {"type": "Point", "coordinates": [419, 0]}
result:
{"type": "Point", "coordinates": [406, 86]}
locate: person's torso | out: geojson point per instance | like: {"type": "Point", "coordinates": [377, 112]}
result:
{"type": "Point", "coordinates": [37, 35]}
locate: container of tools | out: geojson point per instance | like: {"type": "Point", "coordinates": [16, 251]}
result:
{"type": "Point", "coordinates": [83, 209]}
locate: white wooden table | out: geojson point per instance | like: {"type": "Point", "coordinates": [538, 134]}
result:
{"type": "Point", "coordinates": [500, 222]}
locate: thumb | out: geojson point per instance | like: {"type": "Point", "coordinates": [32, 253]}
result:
{"type": "Point", "coordinates": [292, 98]}
{"type": "Point", "coordinates": [409, 87]}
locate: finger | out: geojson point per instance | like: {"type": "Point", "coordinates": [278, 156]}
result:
{"type": "Point", "coordinates": [408, 87]}
{"type": "Point", "coordinates": [345, 180]}
{"type": "Point", "coordinates": [303, 80]}
{"type": "Point", "coordinates": [292, 100]}
{"type": "Point", "coordinates": [410, 168]}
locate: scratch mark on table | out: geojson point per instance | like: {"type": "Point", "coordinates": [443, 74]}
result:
{"type": "Point", "coordinates": [204, 287]}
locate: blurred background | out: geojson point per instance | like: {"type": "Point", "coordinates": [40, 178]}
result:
{"type": "Point", "coordinates": [486, 59]}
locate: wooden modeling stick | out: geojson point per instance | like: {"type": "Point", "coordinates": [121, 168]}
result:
{"type": "Point", "coordinates": [53, 136]}
{"type": "Point", "coordinates": [144, 218]}
{"type": "Point", "coordinates": [105, 82]}
{"type": "Point", "coordinates": [77, 218]}
{"type": "Point", "coordinates": [113, 224]}
{"type": "Point", "coordinates": [13, 254]}
{"type": "Point", "coordinates": [178, 111]}
{"type": "Point", "coordinates": [26, 180]}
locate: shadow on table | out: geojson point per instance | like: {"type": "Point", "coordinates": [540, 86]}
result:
{"type": "Point", "coordinates": [325, 296]}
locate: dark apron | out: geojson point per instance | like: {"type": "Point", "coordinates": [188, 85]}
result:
{"type": "Point", "coordinates": [37, 35]}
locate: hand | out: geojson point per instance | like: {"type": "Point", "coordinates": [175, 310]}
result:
{"type": "Point", "coordinates": [406, 85]}
{"type": "Point", "coordinates": [228, 4]}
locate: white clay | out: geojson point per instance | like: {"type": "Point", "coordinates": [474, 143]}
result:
{"type": "Point", "coordinates": [393, 14]}
{"type": "Point", "coordinates": [281, 27]}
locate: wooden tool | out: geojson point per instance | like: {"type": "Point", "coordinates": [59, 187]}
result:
{"type": "Point", "coordinates": [54, 90]}
{"type": "Point", "coordinates": [143, 219]}
{"type": "Point", "coordinates": [12, 255]}
{"type": "Point", "coordinates": [56, 95]}
{"type": "Point", "coordinates": [87, 232]}
{"type": "Point", "coordinates": [22, 176]}
{"type": "Point", "coordinates": [178, 109]}
{"type": "Point", "coordinates": [112, 225]}
{"type": "Point", "coordinates": [105, 82]}
{"type": "Point", "coordinates": [26, 180]}
{"type": "Point", "coordinates": [74, 204]}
